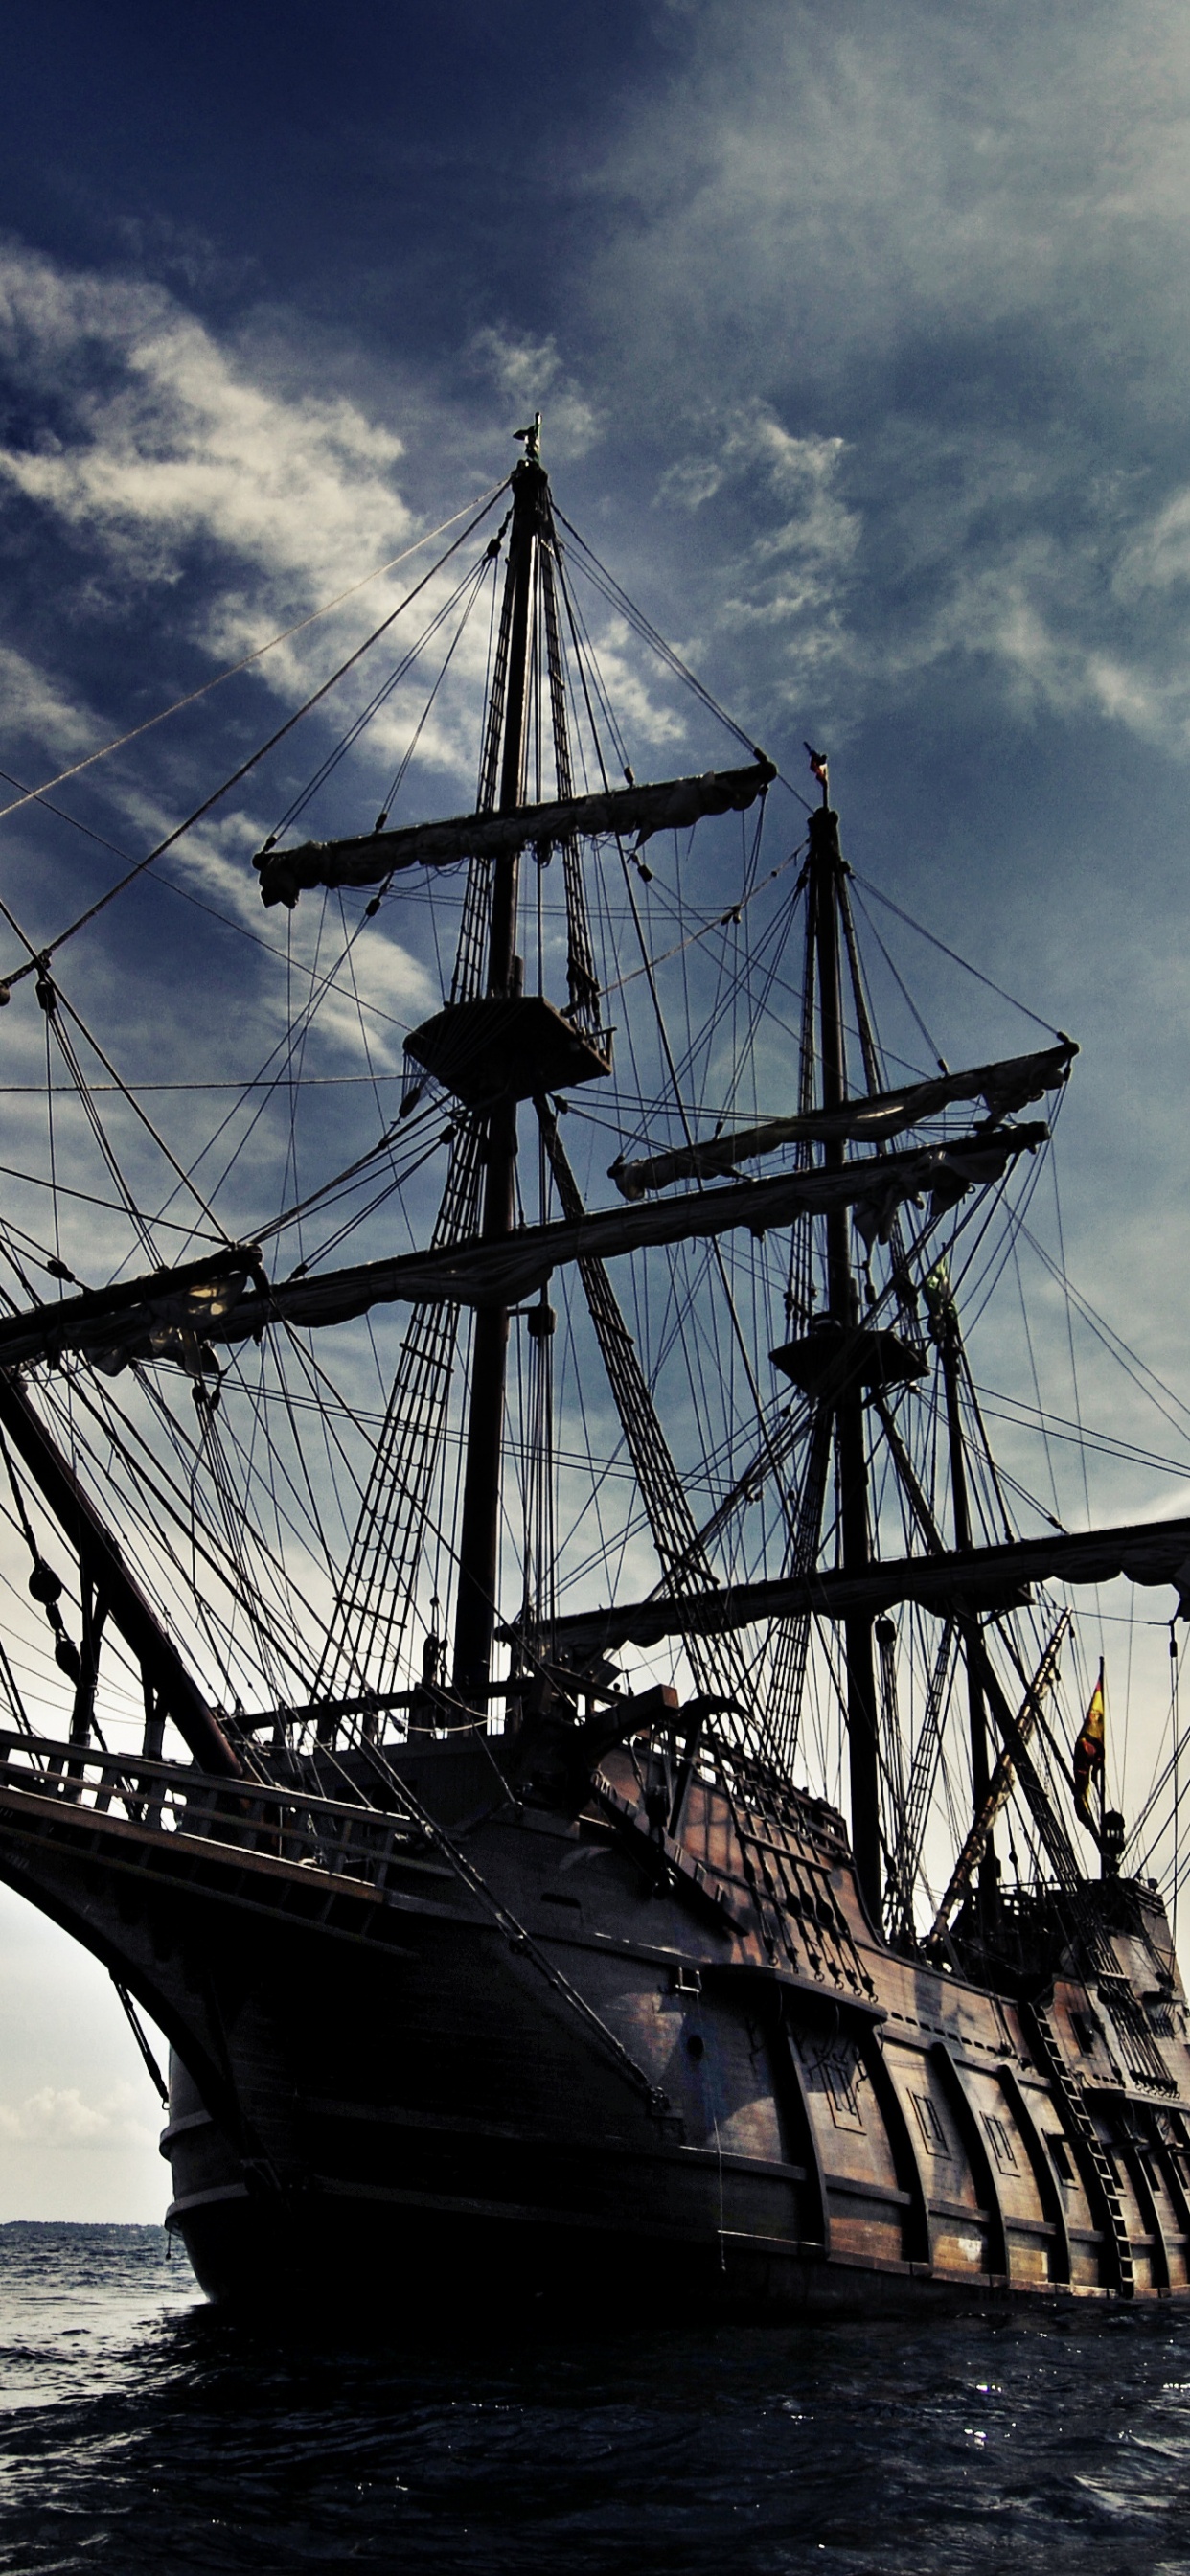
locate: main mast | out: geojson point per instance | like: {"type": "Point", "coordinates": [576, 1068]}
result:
{"type": "Point", "coordinates": [479, 1541]}
{"type": "Point", "coordinates": [825, 877]}
{"type": "Point", "coordinates": [493, 1046]}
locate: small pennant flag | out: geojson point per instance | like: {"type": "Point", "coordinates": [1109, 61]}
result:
{"type": "Point", "coordinates": [1087, 1760]}
{"type": "Point", "coordinates": [817, 760]}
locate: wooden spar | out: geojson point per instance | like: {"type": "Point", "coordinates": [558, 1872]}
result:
{"type": "Point", "coordinates": [188, 1301]}
{"type": "Point", "coordinates": [370, 857]}
{"type": "Point", "coordinates": [1148, 1552]}
{"type": "Point", "coordinates": [1004, 1087]}
{"type": "Point", "coordinates": [105, 1565]}
{"type": "Point", "coordinates": [211, 1301]}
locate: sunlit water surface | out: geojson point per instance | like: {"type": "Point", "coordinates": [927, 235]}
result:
{"type": "Point", "coordinates": [142, 2432]}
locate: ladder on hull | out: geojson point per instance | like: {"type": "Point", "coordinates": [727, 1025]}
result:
{"type": "Point", "coordinates": [1089, 2147]}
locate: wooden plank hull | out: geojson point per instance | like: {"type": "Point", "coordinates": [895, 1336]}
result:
{"type": "Point", "coordinates": [379, 2091]}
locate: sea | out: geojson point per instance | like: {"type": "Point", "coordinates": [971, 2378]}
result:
{"type": "Point", "coordinates": [141, 2431]}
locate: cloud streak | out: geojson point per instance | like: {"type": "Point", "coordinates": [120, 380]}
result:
{"type": "Point", "coordinates": [152, 438]}
{"type": "Point", "coordinates": [941, 263]}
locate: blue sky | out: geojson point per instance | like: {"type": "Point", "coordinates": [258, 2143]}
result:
{"type": "Point", "coordinates": [861, 337]}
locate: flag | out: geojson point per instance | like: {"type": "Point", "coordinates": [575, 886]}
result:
{"type": "Point", "coordinates": [1087, 1762]}
{"type": "Point", "coordinates": [817, 760]}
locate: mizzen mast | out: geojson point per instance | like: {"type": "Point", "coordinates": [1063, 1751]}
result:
{"type": "Point", "coordinates": [945, 1326]}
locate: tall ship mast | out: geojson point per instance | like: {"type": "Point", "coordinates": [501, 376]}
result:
{"type": "Point", "coordinates": [426, 1601]}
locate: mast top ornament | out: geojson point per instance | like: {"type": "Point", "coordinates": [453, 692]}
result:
{"type": "Point", "coordinates": [818, 763]}
{"type": "Point", "coordinates": [532, 439]}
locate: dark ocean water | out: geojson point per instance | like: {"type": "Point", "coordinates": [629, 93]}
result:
{"type": "Point", "coordinates": [141, 2432]}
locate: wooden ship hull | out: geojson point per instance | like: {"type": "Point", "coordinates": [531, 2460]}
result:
{"type": "Point", "coordinates": [639, 2062]}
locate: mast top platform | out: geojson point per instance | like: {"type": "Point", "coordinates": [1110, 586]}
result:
{"type": "Point", "coordinates": [507, 1047]}
{"type": "Point", "coordinates": [833, 1355]}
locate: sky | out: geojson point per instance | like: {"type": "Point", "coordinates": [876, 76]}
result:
{"type": "Point", "coordinates": [860, 334]}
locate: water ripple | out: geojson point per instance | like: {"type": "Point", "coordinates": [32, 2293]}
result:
{"type": "Point", "coordinates": [140, 2432]}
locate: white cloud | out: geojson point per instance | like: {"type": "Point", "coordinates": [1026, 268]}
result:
{"type": "Point", "coordinates": [166, 438]}
{"type": "Point", "coordinates": [58, 2116]}
{"type": "Point", "coordinates": [31, 703]}
{"type": "Point", "coordinates": [792, 577]}
{"type": "Point", "coordinates": [933, 269]}
{"type": "Point", "coordinates": [820, 181]}
{"type": "Point", "coordinates": [1039, 605]}
{"type": "Point", "coordinates": [909, 547]}
{"type": "Point", "coordinates": [798, 469]}
{"type": "Point", "coordinates": [626, 676]}
{"type": "Point", "coordinates": [376, 994]}
{"type": "Point", "coordinates": [1158, 556]}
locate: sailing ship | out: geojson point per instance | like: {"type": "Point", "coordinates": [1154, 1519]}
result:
{"type": "Point", "coordinates": [429, 1772]}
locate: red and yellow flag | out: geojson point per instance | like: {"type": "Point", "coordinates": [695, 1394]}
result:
{"type": "Point", "coordinates": [1088, 1758]}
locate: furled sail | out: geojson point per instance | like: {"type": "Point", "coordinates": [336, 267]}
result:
{"type": "Point", "coordinates": [370, 857]}
{"type": "Point", "coordinates": [177, 1314]}
{"type": "Point", "coordinates": [168, 1314]}
{"type": "Point", "coordinates": [1151, 1552]}
{"type": "Point", "coordinates": [1004, 1088]}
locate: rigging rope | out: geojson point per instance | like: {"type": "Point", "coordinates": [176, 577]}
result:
{"type": "Point", "coordinates": [956, 960]}
{"type": "Point", "coordinates": [605, 581]}
{"type": "Point", "coordinates": [245, 766]}
{"type": "Point", "coordinates": [37, 795]}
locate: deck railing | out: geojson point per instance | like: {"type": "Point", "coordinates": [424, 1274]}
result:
{"type": "Point", "coordinates": [290, 1823]}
